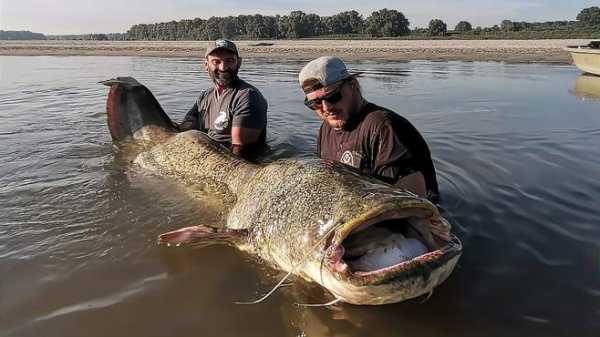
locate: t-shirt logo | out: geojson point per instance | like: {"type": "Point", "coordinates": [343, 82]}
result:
{"type": "Point", "coordinates": [221, 121]}
{"type": "Point", "coordinates": [347, 158]}
{"type": "Point", "coordinates": [352, 158]}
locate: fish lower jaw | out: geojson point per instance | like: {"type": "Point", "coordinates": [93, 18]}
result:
{"type": "Point", "coordinates": [380, 270]}
{"type": "Point", "coordinates": [397, 289]}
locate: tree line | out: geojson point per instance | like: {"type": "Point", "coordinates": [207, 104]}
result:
{"type": "Point", "coordinates": [93, 37]}
{"type": "Point", "coordinates": [293, 26]}
{"type": "Point", "coordinates": [384, 23]}
{"type": "Point", "coordinates": [20, 35]}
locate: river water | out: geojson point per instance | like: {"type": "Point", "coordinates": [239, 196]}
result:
{"type": "Point", "coordinates": [517, 151]}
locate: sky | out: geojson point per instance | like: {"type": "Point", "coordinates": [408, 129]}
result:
{"type": "Point", "coordinates": [108, 16]}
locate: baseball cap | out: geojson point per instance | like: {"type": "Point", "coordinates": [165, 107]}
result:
{"type": "Point", "coordinates": [221, 44]}
{"type": "Point", "coordinates": [326, 70]}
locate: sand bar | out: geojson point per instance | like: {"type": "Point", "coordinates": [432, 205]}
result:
{"type": "Point", "coordinates": [467, 50]}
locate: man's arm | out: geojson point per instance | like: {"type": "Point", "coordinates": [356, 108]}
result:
{"type": "Point", "coordinates": [194, 119]}
{"type": "Point", "coordinates": [190, 121]}
{"type": "Point", "coordinates": [241, 138]}
{"type": "Point", "coordinates": [393, 162]}
{"type": "Point", "coordinates": [414, 182]}
{"type": "Point", "coordinates": [249, 123]}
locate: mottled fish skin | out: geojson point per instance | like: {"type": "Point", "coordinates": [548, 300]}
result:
{"type": "Point", "coordinates": [293, 211]}
{"type": "Point", "coordinates": [290, 205]}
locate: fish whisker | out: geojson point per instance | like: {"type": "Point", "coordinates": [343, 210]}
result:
{"type": "Point", "coordinates": [427, 297]}
{"type": "Point", "coordinates": [334, 302]}
{"type": "Point", "coordinates": [294, 269]}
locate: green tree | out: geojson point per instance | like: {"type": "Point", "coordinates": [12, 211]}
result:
{"type": "Point", "coordinates": [313, 25]}
{"type": "Point", "coordinates": [511, 26]}
{"type": "Point", "coordinates": [296, 24]}
{"type": "Point", "coordinates": [199, 29]}
{"type": "Point", "coordinates": [355, 21]}
{"type": "Point", "coordinates": [171, 31]}
{"type": "Point", "coordinates": [507, 26]}
{"type": "Point", "coordinates": [269, 29]}
{"type": "Point", "coordinates": [299, 25]}
{"type": "Point", "coordinates": [257, 26]}
{"type": "Point", "coordinates": [387, 22]}
{"type": "Point", "coordinates": [97, 37]}
{"type": "Point", "coordinates": [251, 25]}
{"type": "Point", "coordinates": [344, 23]}
{"type": "Point", "coordinates": [463, 26]}
{"type": "Point", "coordinates": [437, 27]}
{"type": "Point", "coordinates": [21, 35]}
{"type": "Point", "coordinates": [282, 26]}
{"type": "Point", "coordinates": [590, 15]}
{"type": "Point", "coordinates": [213, 28]}
{"type": "Point", "coordinates": [244, 23]}
{"type": "Point", "coordinates": [229, 27]}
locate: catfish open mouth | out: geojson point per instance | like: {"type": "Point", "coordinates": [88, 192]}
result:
{"type": "Point", "coordinates": [382, 243]}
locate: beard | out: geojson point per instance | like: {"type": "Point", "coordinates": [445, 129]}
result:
{"type": "Point", "coordinates": [337, 124]}
{"type": "Point", "coordinates": [225, 78]}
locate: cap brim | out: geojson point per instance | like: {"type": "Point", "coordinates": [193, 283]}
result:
{"type": "Point", "coordinates": [208, 52]}
{"type": "Point", "coordinates": [350, 75]}
{"type": "Point", "coordinates": [355, 74]}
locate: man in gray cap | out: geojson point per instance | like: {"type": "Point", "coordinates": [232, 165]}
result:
{"type": "Point", "coordinates": [232, 112]}
{"type": "Point", "coordinates": [375, 140]}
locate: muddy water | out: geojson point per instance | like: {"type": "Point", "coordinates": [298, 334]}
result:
{"type": "Point", "coordinates": [515, 146]}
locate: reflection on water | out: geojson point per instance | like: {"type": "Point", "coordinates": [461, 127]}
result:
{"type": "Point", "coordinates": [587, 86]}
{"type": "Point", "coordinates": [517, 158]}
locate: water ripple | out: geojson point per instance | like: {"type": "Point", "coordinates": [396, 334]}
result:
{"type": "Point", "coordinates": [515, 151]}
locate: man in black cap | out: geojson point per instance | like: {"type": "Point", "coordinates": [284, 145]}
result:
{"type": "Point", "coordinates": [360, 134]}
{"type": "Point", "coordinates": [232, 112]}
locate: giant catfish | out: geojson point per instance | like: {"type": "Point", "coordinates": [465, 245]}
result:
{"type": "Point", "coordinates": [364, 241]}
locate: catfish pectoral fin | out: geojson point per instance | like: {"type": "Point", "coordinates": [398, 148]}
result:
{"type": "Point", "coordinates": [202, 234]}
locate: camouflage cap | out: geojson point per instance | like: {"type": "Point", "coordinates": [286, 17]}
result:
{"type": "Point", "coordinates": [221, 44]}
{"type": "Point", "coordinates": [322, 72]}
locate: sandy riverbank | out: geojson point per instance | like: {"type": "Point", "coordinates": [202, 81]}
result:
{"type": "Point", "coordinates": [467, 50]}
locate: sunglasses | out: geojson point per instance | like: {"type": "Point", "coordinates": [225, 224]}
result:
{"type": "Point", "coordinates": [332, 98]}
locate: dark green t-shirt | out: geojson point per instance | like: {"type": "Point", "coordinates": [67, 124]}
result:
{"type": "Point", "coordinates": [241, 106]}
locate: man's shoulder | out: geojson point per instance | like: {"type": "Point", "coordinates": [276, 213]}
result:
{"type": "Point", "coordinates": [378, 117]}
{"type": "Point", "coordinates": [246, 92]}
{"type": "Point", "coordinates": [244, 86]}
{"type": "Point", "coordinates": [205, 94]}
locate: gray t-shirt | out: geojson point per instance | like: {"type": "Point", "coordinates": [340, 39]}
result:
{"type": "Point", "coordinates": [241, 106]}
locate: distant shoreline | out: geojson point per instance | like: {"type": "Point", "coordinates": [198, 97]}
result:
{"type": "Point", "coordinates": [545, 51]}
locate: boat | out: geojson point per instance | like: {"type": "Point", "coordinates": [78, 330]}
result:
{"type": "Point", "coordinates": [586, 58]}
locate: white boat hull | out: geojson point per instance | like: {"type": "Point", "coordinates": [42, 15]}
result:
{"type": "Point", "coordinates": [586, 59]}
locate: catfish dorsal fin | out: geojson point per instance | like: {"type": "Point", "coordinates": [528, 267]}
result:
{"type": "Point", "coordinates": [203, 235]}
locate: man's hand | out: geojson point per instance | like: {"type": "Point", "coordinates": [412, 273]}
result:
{"type": "Point", "coordinates": [414, 182]}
